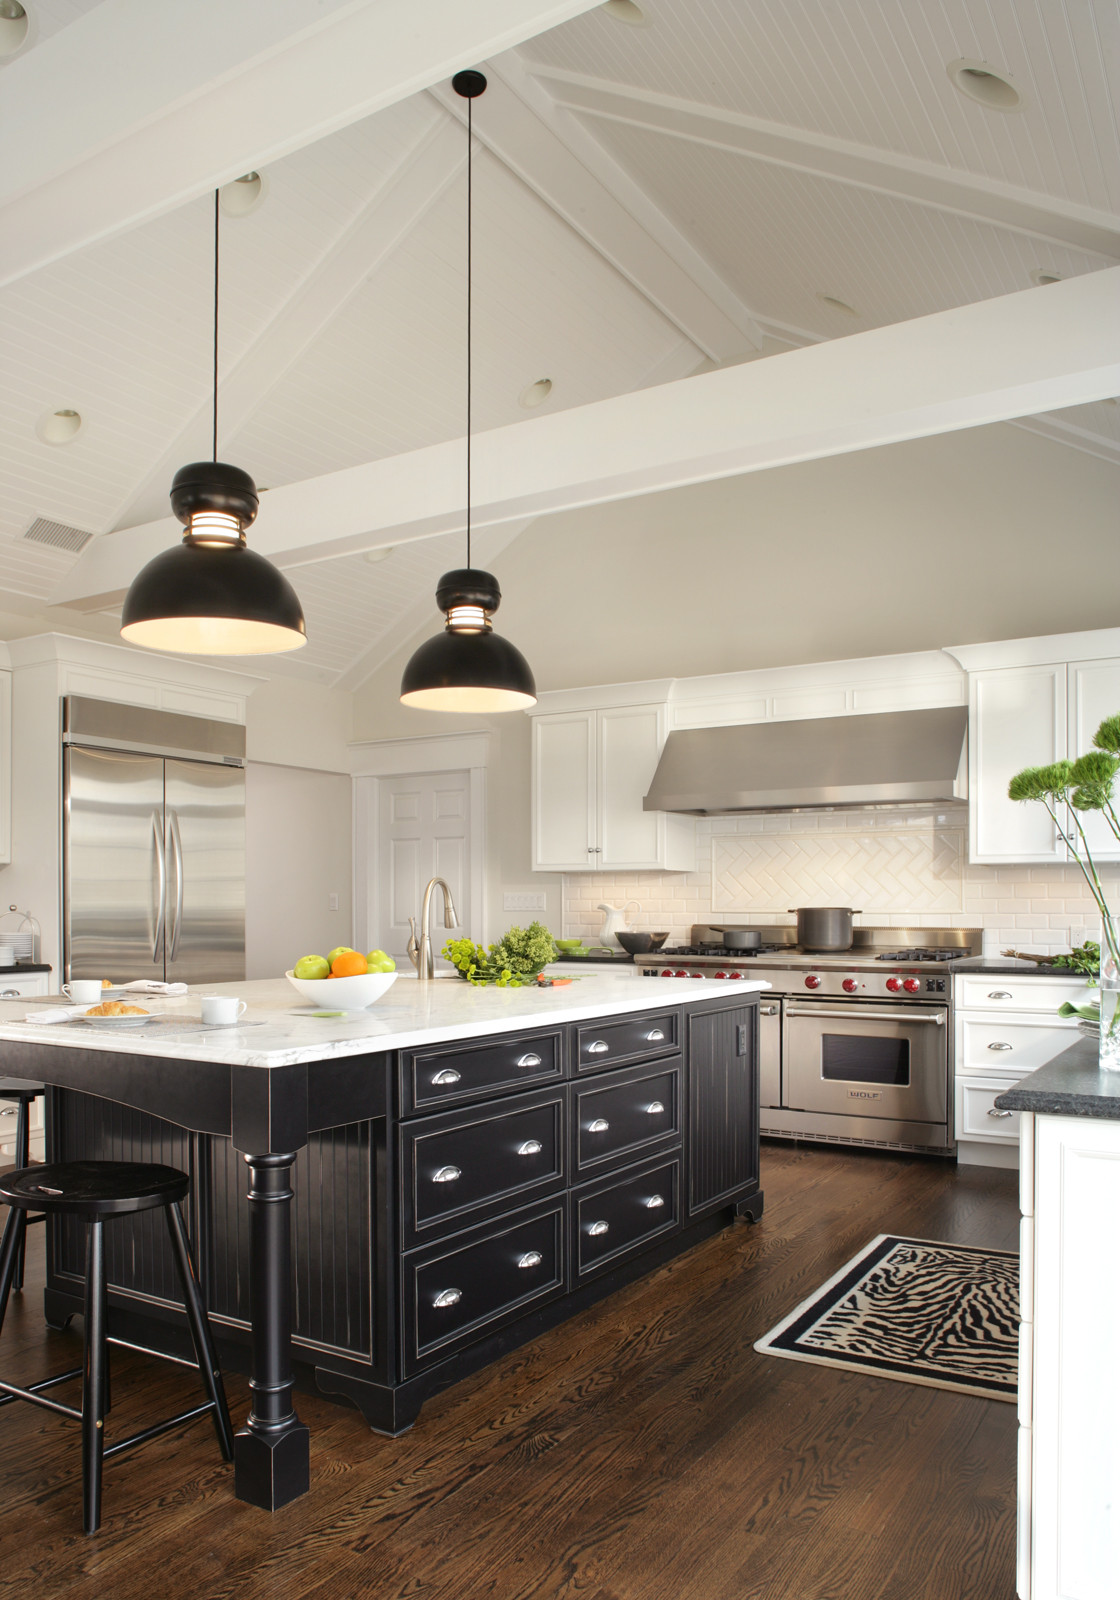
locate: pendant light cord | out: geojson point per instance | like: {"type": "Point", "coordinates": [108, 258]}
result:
{"type": "Point", "coordinates": [217, 193]}
{"type": "Point", "coordinates": [470, 212]}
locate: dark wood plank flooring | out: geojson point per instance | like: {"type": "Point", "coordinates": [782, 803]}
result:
{"type": "Point", "coordinates": [642, 1452]}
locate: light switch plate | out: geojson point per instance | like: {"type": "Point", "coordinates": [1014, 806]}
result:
{"type": "Point", "coordinates": [524, 900]}
{"type": "Point", "coordinates": [332, 902]}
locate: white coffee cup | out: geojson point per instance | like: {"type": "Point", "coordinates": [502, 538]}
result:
{"type": "Point", "coordinates": [219, 1008]}
{"type": "Point", "coordinates": [83, 991]}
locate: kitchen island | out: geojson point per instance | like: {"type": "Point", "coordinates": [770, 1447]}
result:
{"type": "Point", "coordinates": [429, 1183]}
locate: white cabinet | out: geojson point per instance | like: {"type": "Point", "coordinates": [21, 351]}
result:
{"type": "Point", "coordinates": [9, 1115]}
{"type": "Point", "coordinates": [1069, 1411]}
{"type": "Point", "coordinates": [1094, 694]}
{"type": "Point", "coordinates": [591, 771]}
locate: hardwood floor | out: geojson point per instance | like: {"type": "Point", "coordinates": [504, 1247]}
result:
{"type": "Point", "coordinates": [642, 1452]}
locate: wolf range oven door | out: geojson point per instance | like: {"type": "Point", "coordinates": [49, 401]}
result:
{"type": "Point", "coordinates": [890, 1063]}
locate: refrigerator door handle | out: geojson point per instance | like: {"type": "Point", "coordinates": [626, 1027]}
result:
{"type": "Point", "coordinates": [161, 868]}
{"type": "Point", "coordinates": [177, 855]}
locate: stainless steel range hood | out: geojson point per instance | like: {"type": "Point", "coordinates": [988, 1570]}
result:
{"type": "Point", "coordinates": [891, 758]}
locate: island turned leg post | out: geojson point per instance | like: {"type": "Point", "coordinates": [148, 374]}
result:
{"type": "Point", "coordinates": [272, 1451]}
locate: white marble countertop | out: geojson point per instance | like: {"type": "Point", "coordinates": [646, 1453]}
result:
{"type": "Point", "coordinates": [273, 1033]}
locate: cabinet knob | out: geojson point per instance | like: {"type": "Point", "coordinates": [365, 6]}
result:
{"type": "Point", "coordinates": [446, 1076]}
{"type": "Point", "coordinates": [529, 1060]}
{"type": "Point", "coordinates": [598, 1047]}
{"type": "Point", "coordinates": [654, 1201]}
{"type": "Point", "coordinates": [531, 1147]}
{"type": "Point", "coordinates": [655, 1035]}
{"type": "Point", "coordinates": [999, 1045]}
{"type": "Point", "coordinates": [995, 1113]}
{"type": "Point", "coordinates": [447, 1175]}
{"type": "Point", "coordinates": [9, 1111]}
{"type": "Point", "coordinates": [999, 994]}
{"type": "Point", "coordinates": [447, 1297]}
{"type": "Point", "coordinates": [595, 1229]}
{"type": "Point", "coordinates": [600, 1125]}
{"type": "Point", "coordinates": [9, 994]}
{"type": "Point", "coordinates": [531, 1258]}
{"type": "Point", "coordinates": [654, 1109]}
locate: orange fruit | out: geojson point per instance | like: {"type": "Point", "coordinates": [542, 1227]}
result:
{"type": "Point", "coordinates": [349, 965]}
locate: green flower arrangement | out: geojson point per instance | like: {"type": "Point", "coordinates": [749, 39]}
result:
{"type": "Point", "coordinates": [517, 958]}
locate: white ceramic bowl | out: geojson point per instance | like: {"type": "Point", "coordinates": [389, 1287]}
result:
{"type": "Point", "coordinates": [348, 994]}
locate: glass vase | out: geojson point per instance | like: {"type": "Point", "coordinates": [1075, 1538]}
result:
{"type": "Point", "coordinates": [1110, 996]}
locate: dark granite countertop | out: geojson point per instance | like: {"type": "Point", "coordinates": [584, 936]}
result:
{"type": "Point", "coordinates": [25, 966]}
{"type": "Point", "coordinates": [993, 966]}
{"type": "Point", "coordinates": [1072, 1085]}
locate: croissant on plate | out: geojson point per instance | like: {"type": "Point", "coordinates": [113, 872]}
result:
{"type": "Point", "coordinates": [115, 1008]}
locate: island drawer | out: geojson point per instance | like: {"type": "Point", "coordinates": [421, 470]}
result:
{"type": "Point", "coordinates": [457, 1168]}
{"type": "Point", "coordinates": [610, 1044]}
{"type": "Point", "coordinates": [468, 1287]}
{"type": "Point", "coordinates": [612, 1218]}
{"type": "Point", "coordinates": [445, 1075]}
{"type": "Point", "coordinates": [625, 1114]}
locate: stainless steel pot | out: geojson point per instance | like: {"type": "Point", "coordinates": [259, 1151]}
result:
{"type": "Point", "coordinates": [822, 928]}
{"type": "Point", "coordinates": [741, 939]}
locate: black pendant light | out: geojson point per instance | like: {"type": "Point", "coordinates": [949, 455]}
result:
{"type": "Point", "coordinates": [468, 667]}
{"type": "Point", "coordinates": [212, 595]}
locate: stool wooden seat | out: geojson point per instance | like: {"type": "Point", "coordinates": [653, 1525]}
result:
{"type": "Point", "coordinates": [98, 1191]}
{"type": "Point", "coordinates": [25, 1094]}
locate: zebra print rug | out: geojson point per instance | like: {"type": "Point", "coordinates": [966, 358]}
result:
{"type": "Point", "coordinates": [940, 1314]}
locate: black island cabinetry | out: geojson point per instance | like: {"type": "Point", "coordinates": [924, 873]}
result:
{"type": "Point", "coordinates": [489, 1189]}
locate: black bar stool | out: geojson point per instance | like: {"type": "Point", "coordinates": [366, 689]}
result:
{"type": "Point", "coordinates": [96, 1191]}
{"type": "Point", "coordinates": [25, 1093]}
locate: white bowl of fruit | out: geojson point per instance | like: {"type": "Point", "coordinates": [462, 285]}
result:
{"type": "Point", "coordinates": [345, 979]}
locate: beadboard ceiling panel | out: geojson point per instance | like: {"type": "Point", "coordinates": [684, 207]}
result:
{"type": "Point", "coordinates": [874, 71]}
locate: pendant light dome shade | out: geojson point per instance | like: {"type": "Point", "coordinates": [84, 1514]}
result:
{"type": "Point", "coordinates": [468, 667]}
{"type": "Point", "coordinates": [212, 595]}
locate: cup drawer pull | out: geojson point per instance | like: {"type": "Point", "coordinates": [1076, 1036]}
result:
{"type": "Point", "coordinates": [654, 1109]}
{"type": "Point", "coordinates": [600, 1125]}
{"type": "Point", "coordinates": [531, 1258]}
{"type": "Point", "coordinates": [654, 1202]}
{"type": "Point", "coordinates": [995, 1113]}
{"type": "Point", "coordinates": [999, 994]}
{"type": "Point", "coordinates": [598, 1047]}
{"type": "Point", "coordinates": [447, 1297]}
{"type": "Point", "coordinates": [447, 1175]}
{"type": "Point", "coordinates": [446, 1076]}
{"type": "Point", "coordinates": [596, 1229]}
{"type": "Point", "coordinates": [999, 1045]}
{"type": "Point", "coordinates": [531, 1147]}
{"type": "Point", "coordinates": [531, 1059]}
{"type": "Point", "coordinates": [655, 1035]}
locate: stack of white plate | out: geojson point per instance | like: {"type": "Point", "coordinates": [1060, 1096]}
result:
{"type": "Point", "coordinates": [15, 947]}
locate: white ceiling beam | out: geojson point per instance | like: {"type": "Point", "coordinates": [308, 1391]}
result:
{"type": "Point", "coordinates": [926, 183]}
{"type": "Point", "coordinates": [387, 218]}
{"type": "Point", "coordinates": [136, 108]}
{"type": "Point", "coordinates": [569, 169]}
{"type": "Point", "coordinates": [1038, 350]}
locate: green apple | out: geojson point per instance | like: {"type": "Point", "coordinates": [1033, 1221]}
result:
{"type": "Point", "coordinates": [339, 950]}
{"type": "Point", "coordinates": [311, 967]}
{"type": "Point", "coordinates": [379, 961]}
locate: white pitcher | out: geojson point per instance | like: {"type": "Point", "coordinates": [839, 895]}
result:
{"type": "Point", "coordinates": [612, 922]}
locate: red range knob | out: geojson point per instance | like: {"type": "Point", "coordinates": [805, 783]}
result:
{"type": "Point", "coordinates": [666, 972]}
{"type": "Point", "coordinates": [850, 985]}
{"type": "Point", "coordinates": [912, 985]}
{"type": "Point", "coordinates": [698, 974]}
{"type": "Point", "coordinates": [812, 981]}
{"type": "Point", "coordinates": [719, 974]}
{"type": "Point", "coordinates": [680, 973]}
{"type": "Point", "coordinates": [894, 985]}
{"type": "Point", "coordinates": [733, 974]}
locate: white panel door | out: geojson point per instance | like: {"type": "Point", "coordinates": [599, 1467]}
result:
{"type": "Point", "coordinates": [630, 740]}
{"type": "Point", "coordinates": [1018, 719]}
{"type": "Point", "coordinates": [1094, 694]}
{"type": "Point", "coordinates": [424, 832]}
{"type": "Point", "coordinates": [564, 793]}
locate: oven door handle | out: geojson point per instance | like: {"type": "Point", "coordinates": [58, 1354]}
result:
{"type": "Point", "coordinates": [853, 1013]}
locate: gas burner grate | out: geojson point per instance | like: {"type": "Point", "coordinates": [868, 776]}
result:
{"type": "Point", "coordinates": [921, 955]}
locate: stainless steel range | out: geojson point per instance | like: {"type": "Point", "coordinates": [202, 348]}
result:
{"type": "Point", "coordinates": [856, 1046]}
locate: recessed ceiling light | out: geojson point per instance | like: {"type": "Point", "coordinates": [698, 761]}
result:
{"type": "Point", "coordinates": [837, 305]}
{"type": "Point", "coordinates": [535, 394]}
{"type": "Point", "coordinates": [1040, 276]}
{"type": "Point", "coordinates": [14, 24]}
{"type": "Point", "coordinates": [374, 556]}
{"type": "Point", "coordinates": [626, 11]}
{"type": "Point", "coordinates": [985, 85]}
{"type": "Point", "coordinates": [59, 427]}
{"type": "Point", "coordinates": [243, 195]}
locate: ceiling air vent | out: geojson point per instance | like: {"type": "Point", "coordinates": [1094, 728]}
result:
{"type": "Point", "coordinates": [59, 535]}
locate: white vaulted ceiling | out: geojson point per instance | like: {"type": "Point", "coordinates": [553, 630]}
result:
{"type": "Point", "coordinates": [649, 201]}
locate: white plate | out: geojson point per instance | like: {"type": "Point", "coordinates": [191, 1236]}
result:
{"type": "Point", "coordinates": [119, 1022]}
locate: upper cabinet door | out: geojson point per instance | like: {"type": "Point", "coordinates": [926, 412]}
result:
{"type": "Point", "coordinates": [564, 793]}
{"type": "Point", "coordinates": [1018, 719]}
{"type": "Point", "coordinates": [630, 740]}
{"type": "Point", "coordinates": [1094, 694]}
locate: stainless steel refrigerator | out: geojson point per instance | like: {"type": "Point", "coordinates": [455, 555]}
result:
{"type": "Point", "coordinates": [153, 835]}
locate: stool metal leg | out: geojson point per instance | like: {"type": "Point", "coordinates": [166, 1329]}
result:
{"type": "Point", "coordinates": [94, 1383]}
{"type": "Point", "coordinates": [23, 1159]}
{"type": "Point", "coordinates": [14, 1231]}
{"type": "Point", "coordinates": [200, 1331]}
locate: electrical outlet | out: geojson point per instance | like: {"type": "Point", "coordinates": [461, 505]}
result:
{"type": "Point", "coordinates": [332, 902]}
{"type": "Point", "coordinates": [524, 900]}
